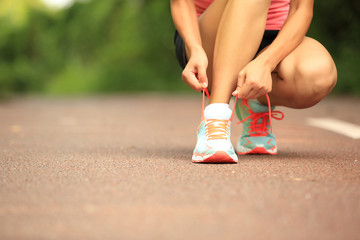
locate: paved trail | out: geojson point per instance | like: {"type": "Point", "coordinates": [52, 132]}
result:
{"type": "Point", "coordinates": [120, 168]}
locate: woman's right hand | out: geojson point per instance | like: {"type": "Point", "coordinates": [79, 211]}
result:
{"type": "Point", "coordinates": [194, 73]}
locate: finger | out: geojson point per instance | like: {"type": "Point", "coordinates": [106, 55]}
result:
{"type": "Point", "coordinates": [245, 92]}
{"type": "Point", "coordinates": [203, 77]}
{"type": "Point", "coordinates": [236, 92]}
{"type": "Point", "coordinates": [240, 83]}
{"type": "Point", "coordinates": [190, 79]}
{"type": "Point", "coordinates": [257, 89]}
{"type": "Point", "coordinates": [241, 78]}
{"type": "Point", "coordinates": [269, 88]}
{"type": "Point", "coordinates": [256, 93]}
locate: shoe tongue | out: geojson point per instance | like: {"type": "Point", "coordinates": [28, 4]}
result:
{"type": "Point", "coordinates": [258, 107]}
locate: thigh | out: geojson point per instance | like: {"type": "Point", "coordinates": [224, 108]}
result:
{"type": "Point", "coordinates": [209, 23]}
{"type": "Point", "coordinates": [306, 75]}
{"type": "Point", "coordinates": [309, 55]}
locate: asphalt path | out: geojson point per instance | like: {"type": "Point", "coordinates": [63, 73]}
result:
{"type": "Point", "coordinates": [120, 168]}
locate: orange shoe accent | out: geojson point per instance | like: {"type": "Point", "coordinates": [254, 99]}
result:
{"type": "Point", "coordinates": [218, 157]}
{"type": "Point", "coordinates": [248, 142]}
{"type": "Point", "coordinates": [269, 142]}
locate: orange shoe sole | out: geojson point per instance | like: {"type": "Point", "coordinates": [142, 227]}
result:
{"type": "Point", "coordinates": [218, 157]}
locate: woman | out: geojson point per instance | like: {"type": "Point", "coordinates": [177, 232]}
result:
{"type": "Point", "coordinates": [248, 49]}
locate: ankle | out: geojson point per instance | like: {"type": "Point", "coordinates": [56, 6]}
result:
{"type": "Point", "coordinates": [218, 111]}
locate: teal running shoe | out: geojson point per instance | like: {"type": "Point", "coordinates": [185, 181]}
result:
{"type": "Point", "coordinates": [256, 137]}
{"type": "Point", "coordinates": [213, 143]}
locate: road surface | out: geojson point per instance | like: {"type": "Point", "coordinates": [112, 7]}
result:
{"type": "Point", "coordinates": [120, 168]}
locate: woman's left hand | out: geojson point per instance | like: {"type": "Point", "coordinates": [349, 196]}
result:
{"type": "Point", "coordinates": [254, 80]}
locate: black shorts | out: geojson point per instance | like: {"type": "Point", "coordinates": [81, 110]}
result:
{"type": "Point", "coordinates": [268, 38]}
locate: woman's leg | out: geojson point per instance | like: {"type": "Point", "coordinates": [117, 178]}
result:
{"type": "Point", "coordinates": [304, 77]}
{"type": "Point", "coordinates": [238, 38]}
{"type": "Point", "coordinates": [231, 32]}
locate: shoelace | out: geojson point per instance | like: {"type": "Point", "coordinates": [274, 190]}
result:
{"type": "Point", "coordinates": [217, 129]}
{"type": "Point", "coordinates": [260, 129]}
{"type": "Point", "coordinates": [256, 128]}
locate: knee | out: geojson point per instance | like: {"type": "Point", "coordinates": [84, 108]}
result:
{"type": "Point", "coordinates": [323, 77]}
{"type": "Point", "coordinates": [319, 77]}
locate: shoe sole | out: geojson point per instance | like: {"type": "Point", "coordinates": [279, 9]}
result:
{"type": "Point", "coordinates": [257, 151]}
{"type": "Point", "coordinates": [218, 157]}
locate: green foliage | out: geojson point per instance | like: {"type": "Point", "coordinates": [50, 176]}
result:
{"type": "Point", "coordinates": [126, 45]}
{"type": "Point", "coordinates": [336, 24]}
{"type": "Point", "coordinates": [99, 46]}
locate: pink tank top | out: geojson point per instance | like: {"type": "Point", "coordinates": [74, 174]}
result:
{"type": "Point", "coordinates": [276, 17]}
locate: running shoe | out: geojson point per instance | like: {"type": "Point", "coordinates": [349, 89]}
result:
{"type": "Point", "coordinates": [213, 140]}
{"type": "Point", "coordinates": [256, 137]}
{"type": "Point", "coordinates": [213, 143]}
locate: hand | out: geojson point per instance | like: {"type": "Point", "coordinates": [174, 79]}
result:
{"type": "Point", "coordinates": [254, 80]}
{"type": "Point", "coordinates": [194, 73]}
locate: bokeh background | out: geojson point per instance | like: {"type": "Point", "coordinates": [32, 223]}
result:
{"type": "Point", "coordinates": [111, 46]}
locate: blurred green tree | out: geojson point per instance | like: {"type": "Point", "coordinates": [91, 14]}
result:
{"type": "Point", "coordinates": [126, 45]}
{"type": "Point", "coordinates": [17, 12]}
{"type": "Point", "coordinates": [336, 24]}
